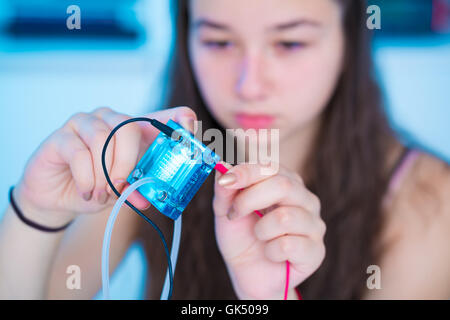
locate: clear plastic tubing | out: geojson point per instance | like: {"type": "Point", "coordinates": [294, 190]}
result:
{"type": "Point", "coordinates": [173, 257]}
{"type": "Point", "coordinates": [107, 240]}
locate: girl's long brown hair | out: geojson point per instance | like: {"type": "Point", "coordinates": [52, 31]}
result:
{"type": "Point", "coordinates": [347, 170]}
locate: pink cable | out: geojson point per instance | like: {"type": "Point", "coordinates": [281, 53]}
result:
{"type": "Point", "coordinates": [221, 168]}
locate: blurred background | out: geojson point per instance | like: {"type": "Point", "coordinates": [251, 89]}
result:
{"type": "Point", "coordinates": [118, 59]}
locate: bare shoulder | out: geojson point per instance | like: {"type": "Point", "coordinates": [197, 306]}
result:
{"type": "Point", "coordinates": [423, 191]}
{"type": "Point", "coordinates": [414, 253]}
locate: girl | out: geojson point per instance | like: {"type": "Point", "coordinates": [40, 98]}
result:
{"type": "Point", "coordinates": [348, 198]}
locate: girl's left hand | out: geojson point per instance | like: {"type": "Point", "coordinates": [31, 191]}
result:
{"type": "Point", "coordinates": [255, 249]}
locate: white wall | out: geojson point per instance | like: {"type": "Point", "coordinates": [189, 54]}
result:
{"type": "Point", "coordinates": [42, 85]}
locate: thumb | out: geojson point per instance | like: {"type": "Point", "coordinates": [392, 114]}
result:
{"type": "Point", "coordinates": [185, 116]}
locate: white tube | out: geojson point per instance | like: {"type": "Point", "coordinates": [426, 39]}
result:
{"type": "Point", "coordinates": [173, 257]}
{"type": "Point", "coordinates": [108, 232]}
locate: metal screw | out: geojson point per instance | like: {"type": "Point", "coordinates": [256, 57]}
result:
{"type": "Point", "coordinates": [162, 195]}
{"type": "Point", "coordinates": [137, 174]}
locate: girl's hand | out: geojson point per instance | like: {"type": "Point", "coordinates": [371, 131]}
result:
{"type": "Point", "coordinates": [255, 249]}
{"type": "Point", "coordinates": [64, 177]}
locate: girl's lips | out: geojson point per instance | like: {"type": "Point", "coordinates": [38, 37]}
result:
{"type": "Point", "coordinates": [254, 121]}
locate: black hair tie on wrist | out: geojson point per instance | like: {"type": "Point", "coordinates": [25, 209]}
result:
{"type": "Point", "coordinates": [29, 222]}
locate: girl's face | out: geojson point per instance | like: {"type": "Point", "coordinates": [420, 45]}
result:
{"type": "Point", "coordinates": [266, 63]}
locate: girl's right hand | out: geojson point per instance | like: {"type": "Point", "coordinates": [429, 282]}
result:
{"type": "Point", "coordinates": [64, 176]}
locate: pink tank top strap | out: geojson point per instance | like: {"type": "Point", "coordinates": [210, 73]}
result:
{"type": "Point", "coordinates": [404, 163]}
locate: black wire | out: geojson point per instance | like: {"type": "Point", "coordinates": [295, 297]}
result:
{"type": "Point", "coordinates": [152, 121]}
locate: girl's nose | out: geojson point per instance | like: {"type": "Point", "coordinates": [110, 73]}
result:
{"type": "Point", "coordinates": [251, 85]}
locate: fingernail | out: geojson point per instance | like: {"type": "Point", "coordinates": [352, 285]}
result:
{"type": "Point", "coordinates": [102, 197]}
{"type": "Point", "coordinates": [227, 179]}
{"type": "Point", "coordinates": [87, 196]}
{"type": "Point", "coordinates": [188, 124]}
{"type": "Point", "coordinates": [232, 214]}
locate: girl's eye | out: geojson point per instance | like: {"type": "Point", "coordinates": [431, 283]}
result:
{"type": "Point", "coordinates": [290, 45]}
{"type": "Point", "coordinates": [217, 44]}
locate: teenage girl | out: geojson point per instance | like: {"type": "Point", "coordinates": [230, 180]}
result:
{"type": "Point", "coordinates": [348, 199]}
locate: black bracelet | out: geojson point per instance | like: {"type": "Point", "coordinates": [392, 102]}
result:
{"type": "Point", "coordinates": [29, 222]}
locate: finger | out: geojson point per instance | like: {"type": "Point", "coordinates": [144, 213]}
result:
{"type": "Point", "coordinates": [126, 147]}
{"type": "Point", "coordinates": [222, 197]}
{"type": "Point", "coordinates": [218, 173]}
{"type": "Point", "coordinates": [137, 199]}
{"type": "Point", "coordinates": [94, 133]}
{"type": "Point", "coordinates": [244, 175]}
{"type": "Point", "coordinates": [182, 115]}
{"type": "Point", "coordinates": [299, 251]}
{"type": "Point", "coordinates": [76, 154]}
{"type": "Point", "coordinates": [278, 190]}
{"type": "Point", "coordinates": [288, 220]}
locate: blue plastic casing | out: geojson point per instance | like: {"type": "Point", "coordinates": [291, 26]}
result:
{"type": "Point", "coordinates": [179, 168]}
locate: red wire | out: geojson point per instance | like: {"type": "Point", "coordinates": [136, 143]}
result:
{"type": "Point", "coordinates": [221, 168]}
